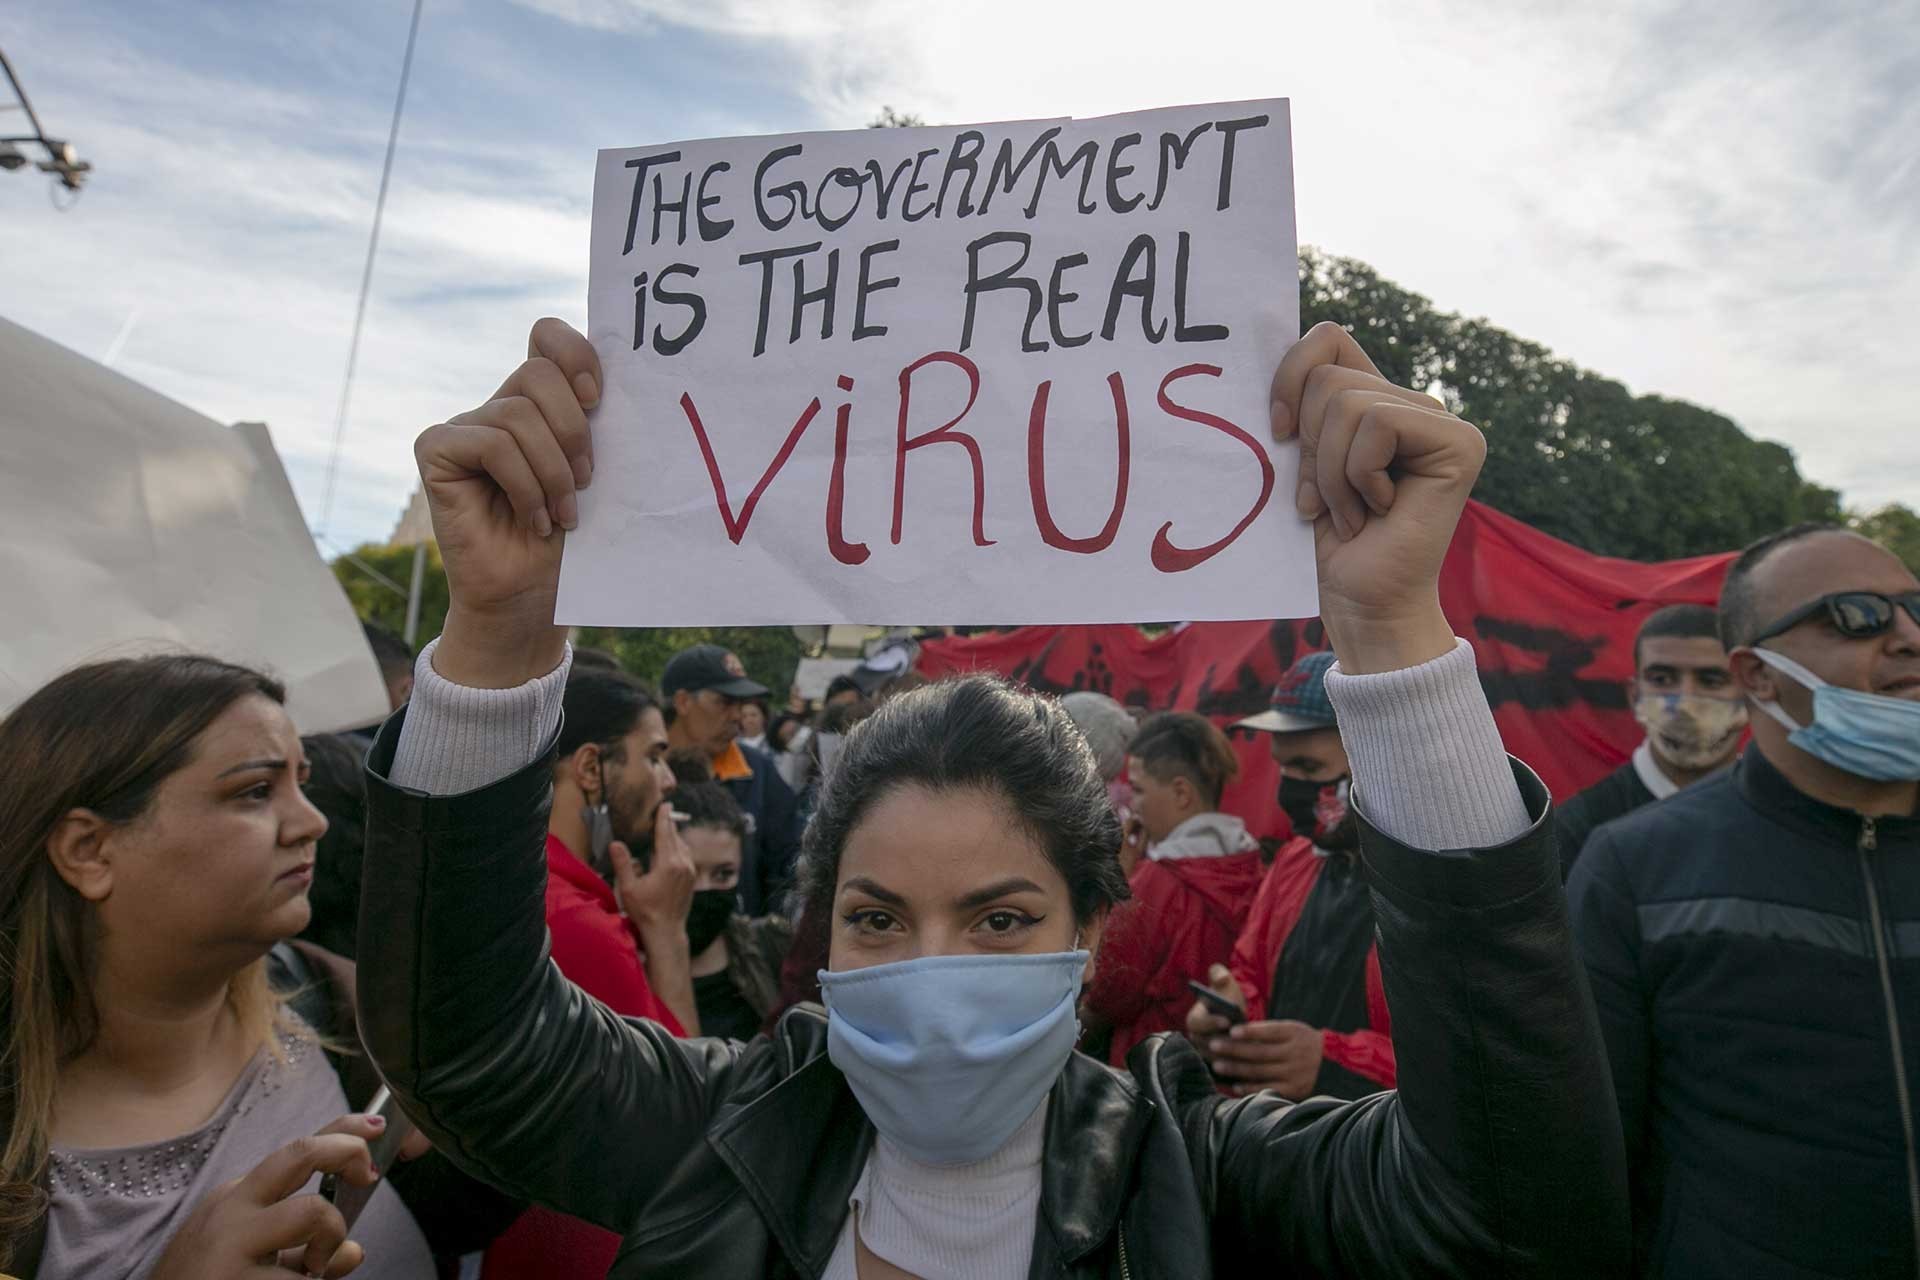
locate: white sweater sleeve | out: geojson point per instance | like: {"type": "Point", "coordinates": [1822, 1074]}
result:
{"type": "Point", "coordinates": [1428, 766]}
{"type": "Point", "coordinates": [459, 739]}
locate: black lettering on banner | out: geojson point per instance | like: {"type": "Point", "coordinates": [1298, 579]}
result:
{"type": "Point", "coordinates": [964, 155]}
{"type": "Point", "coordinates": [1004, 173]}
{"type": "Point", "coordinates": [1182, 332]}
{"type": "Point", "coordinates": [711, 229]}
{"type": "Point", "coordinates": [663, 205]}
{"type": "Point", "coordinates": [1126, 284]}
{"type": "Point", "coordinates": [1117, 171]}
{"type": "Point", "coordinates": [795, 192]}
{"type": "Point", "coordinates": [883, 188]}
{"type": "Point", "coordinates": [766, 258]}
{"type": "Point", "coordinates": [693, 302]}
{"type": "Point", "coordinates": [1228, 128]}
{"type": "Point", "coordinates": [1558, 683]}
{"type": "Point", "coordinates": [914, 184]}
{"type": "Point", "coordinates": [1056, 297]}
{"type": "Point", "coordinates": [1002, 279]}
{"type": "Point", "coordinates": [861, 329]}
{"type": "Point", "coordinates": [640, 165]}
{"type": "Point", "coordinates": [804, 297]}
{"type": "Point", "coordinates": [1174, 151]}
{"type": "Point", "coordinates": [842, 176]}
{"type": "Point", "coordinates": [1050, 162]}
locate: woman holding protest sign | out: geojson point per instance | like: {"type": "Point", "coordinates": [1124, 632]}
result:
{"type": "Point", "coordinates": [934, 1120]}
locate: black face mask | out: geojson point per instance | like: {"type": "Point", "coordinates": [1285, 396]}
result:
{"type": "Point", "coordinates": [1319, 811]}
{"type": "Point", "coordinates": [708, 915]}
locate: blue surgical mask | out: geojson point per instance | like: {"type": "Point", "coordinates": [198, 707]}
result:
{"type": "Point", "coordinates": [1869, 735]}
{"type": "Point", "coordinates": [948, 1055]}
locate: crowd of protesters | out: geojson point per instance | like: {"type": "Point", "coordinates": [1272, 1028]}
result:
{"type": "Point", "coordinates": [583, 925]}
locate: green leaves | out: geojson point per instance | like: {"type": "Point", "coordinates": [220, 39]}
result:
{"type": "Point", "coordinates": [1569, 451]}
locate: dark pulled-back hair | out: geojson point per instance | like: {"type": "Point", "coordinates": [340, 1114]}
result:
{"type": "Point", "coordinates": [710, 804]}
{"type": "Point", "coordinates": [1684, 621]}
{"type": "Point", "coordinates": [1182, 744]}
{"type": "Point", "coordinates": [600, 705]}
{"type": "Point", "coordinates": [981, 734]}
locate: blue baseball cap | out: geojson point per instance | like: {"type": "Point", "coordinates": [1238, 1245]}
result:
{"type": "Point", "coordinates": [1300, 699]}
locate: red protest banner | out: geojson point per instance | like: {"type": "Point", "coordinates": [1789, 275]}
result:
{"type": "Point", "coordinates": [1552, 627]}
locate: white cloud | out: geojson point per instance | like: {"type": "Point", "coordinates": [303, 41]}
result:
{"type": "Point", "coordinates": [1715, 205]}
{"type": "Point", "coordinates": [1720, 204]}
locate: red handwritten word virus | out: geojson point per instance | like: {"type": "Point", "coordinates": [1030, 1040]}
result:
{"type": "Point", "coordinates": [1164, 553]}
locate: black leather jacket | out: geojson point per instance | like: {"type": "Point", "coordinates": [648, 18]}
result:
{"type": "Point", "coordinates": [1499, 1156]}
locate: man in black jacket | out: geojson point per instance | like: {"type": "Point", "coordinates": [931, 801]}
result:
{"type": "Point", "coordinates": [1754, 942]}
{"type": "Point", "coordinates": [702, 690]}
{"type": "Point", "coordinates": [1683, 695]}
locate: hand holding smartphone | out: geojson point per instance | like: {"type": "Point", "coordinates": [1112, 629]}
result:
{"type": "Point", "coordinates": [385, 1149]}
{"type": "Point", "coordinates": [1217, 1003]}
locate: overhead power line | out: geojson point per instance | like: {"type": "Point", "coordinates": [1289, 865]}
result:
{"type": "Point", "coordinates": [366, 274]}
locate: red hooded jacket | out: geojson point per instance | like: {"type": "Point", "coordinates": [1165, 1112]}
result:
{"type": "Point", "coordinates": [1183, 918]}
{"type": "Point", "coordinates": [1366, 1052]}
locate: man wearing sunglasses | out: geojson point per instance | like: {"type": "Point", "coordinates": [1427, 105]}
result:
{"type": "Point", "coordinates": [1754, 941]}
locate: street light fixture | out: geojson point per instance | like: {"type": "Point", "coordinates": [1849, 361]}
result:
{"type": "Point", "coordinates": [63, 162]}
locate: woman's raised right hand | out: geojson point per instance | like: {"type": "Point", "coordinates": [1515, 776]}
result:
{"type": "Point", "coordinates": [257, 1227]}
{"type": "Point", "coordinates": [501, 482]}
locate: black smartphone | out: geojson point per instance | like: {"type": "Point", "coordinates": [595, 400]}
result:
{"type": "Point", "coordinates": [1217, 1003]}
{"type": "Point", "coordinates": [385, 1149]}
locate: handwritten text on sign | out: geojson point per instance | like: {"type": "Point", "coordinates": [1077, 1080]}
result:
{"type": "Point", "coordinates": [1004, 373]}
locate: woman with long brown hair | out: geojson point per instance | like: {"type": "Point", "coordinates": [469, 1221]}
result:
{"type": "Point", "coordinates": [160, 1101]}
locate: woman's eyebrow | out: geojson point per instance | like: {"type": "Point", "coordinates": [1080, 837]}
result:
{"type": "Point", "coordinates": [246, 766]}
{"type": "Point", "coordinates": [999, 889]}
{"type": "Point", "coordinates": [873, 889]}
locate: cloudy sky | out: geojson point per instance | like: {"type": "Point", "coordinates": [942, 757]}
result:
{"type": "Point", "coordinates": [1715, 202]}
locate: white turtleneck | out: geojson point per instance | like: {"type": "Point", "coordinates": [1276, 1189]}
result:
{"type": "Point", "coordinates": [958, 1222]}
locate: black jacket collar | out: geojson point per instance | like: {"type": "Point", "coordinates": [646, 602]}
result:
{"type": "Point", "coordinates": [1768, 790]}
{"type": "Point", "coordinates": [799, 1148]}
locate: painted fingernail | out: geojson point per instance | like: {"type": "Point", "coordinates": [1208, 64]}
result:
{"type": "Point", "coordinates": [586, 389]}
{"type": "Point", "coordinates": [582, 471]}
{"type": "Point", "coordinates": [542, 525]}
{"type": "Point", "coordinates": [568, 509]}
{"type": "Point", "coordinates": [377, 1122]}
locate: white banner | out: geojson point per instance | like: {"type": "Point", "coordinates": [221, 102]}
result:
{"type": "Point", "coordinates": [1009, 373]}
{"type": "Point", "coordinates": [129, 524]}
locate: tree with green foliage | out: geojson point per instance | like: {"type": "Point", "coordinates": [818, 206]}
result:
{"type": "Point", "coordinates": [1894, 527]}
{"type": "Point", "coordinates": [376, 580]}
{"type": "Point", "coordinates": [1569, 451]}
{"type": "Point", "coordinates": [770, 654]}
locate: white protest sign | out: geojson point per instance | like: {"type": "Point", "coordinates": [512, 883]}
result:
{"type": "Point", "coordinates": [1007, 373]}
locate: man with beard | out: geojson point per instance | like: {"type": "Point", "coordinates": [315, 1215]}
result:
{"type": "Point", "coordinates": [1683, 695]}
{"type": "Point", "coordinates": [1305, 970]}
{"type": "Point", "coordinates": [619, 884]}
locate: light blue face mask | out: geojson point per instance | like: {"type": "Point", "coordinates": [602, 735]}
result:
{"type": "Point", "coordinates": [948, 1055]}
{"type": "Point", "coordinates": [1869, 735]}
